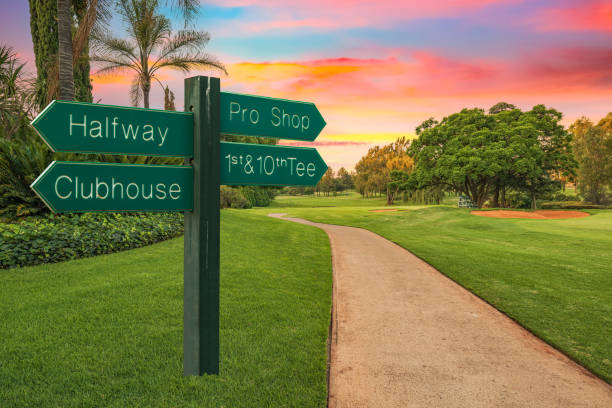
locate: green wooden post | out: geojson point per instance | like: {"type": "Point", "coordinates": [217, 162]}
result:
{"type": "Point", "coordinates": [201, 269]}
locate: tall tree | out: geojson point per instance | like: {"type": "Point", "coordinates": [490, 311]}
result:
{"type": "Point", "coordinates": [150, 47]}
{"type": "Point", "coordinates": [372, 171]}
{"type": "Point", "coordinates": [592, 147]}
{"type": "Point", "coordinates": [44, 30]}
{"type": "Point", "coordinates": [64, 34]}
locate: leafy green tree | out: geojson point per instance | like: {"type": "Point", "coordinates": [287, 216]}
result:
{"type": "Point", "coordinates": [476, 154]}
{"type": "Point", "coordinates": [327, 184]}
{"type": "Point", "coordinates": [151, 47]}
{"type": "Point", "coordinates": [372, 170]}
{"type": "Point", "coordinates": [550, 152]}
{"type": "Point", "coordinates": [592, 146]}
{"type": "Point", "coordinates": [344, 179]}
{"type": "Point", "coordinates": [463, 153]}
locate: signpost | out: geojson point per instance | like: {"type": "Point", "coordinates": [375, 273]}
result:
{"type": "Point", "coordinates": [92, 128]}
{"type": "Point", "coordinates": [251, 115]}
{"type": "Point", "coordinates": [193, 187]}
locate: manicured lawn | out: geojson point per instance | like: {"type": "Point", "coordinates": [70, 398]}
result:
{"type": "Point", "coordinates": [553, 276]}
{"type": "Point", "coordinates": [347, 198]}
{"type": "Point", "coordinates": [107, 331]}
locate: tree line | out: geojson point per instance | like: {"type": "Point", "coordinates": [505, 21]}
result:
{"type": "Point", "coordinates": [489, 156]}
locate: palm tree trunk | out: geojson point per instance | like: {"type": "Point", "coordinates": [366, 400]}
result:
{"type": "Point", "coordinates": [64, 34]}
{"type": "Point", "coordinates": [146, 88]}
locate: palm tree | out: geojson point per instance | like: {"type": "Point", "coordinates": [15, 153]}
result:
{"type": "Point", "coordinates": [66, 80]}
{"type": "Point", "coordinates": [151, 46]}
{"type": "Point", "coordinates": [96, 14]}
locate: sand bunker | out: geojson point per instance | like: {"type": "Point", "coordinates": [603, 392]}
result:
{"type": "Point", "coordinates": [540, 214]}
{"type": "Point", "coordinates": [384, 210]}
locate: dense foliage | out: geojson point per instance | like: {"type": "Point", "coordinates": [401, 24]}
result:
{"type": "Point", "coordinates": [374, 169]}
{"type": "Point", "coordinates": [483, 155]}
{"type": "Point", "coordinates": [44, 29]}
{"type": "Point", "coordinates": [592, 146]}
{"type": "Point", "coordinates": [17, 103]}
{"type": "Point", "coordinates": [56, 238]}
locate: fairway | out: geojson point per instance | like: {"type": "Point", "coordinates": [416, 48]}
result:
{"type": "Point", "coordinates": [107, 331]}
{"type": "Point", "coordinates": [551, 276]}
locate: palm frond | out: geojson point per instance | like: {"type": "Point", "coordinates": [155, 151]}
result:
{"type": "Point", "coordinates": [111, 64]}
{"type": "Point", "coordinates": [187, 62]}
{"type": "Point", "coordinates": [188, 8]}
{"type": "Point", "coordinates": [106, 45]}
{"type": "Point", "coordinates": [183, 41]}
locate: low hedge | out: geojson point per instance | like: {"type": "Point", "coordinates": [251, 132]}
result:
{"type": "Point", "coordinates": [55, 238]}
{"type": "Point", "coordinates": [570, 205]}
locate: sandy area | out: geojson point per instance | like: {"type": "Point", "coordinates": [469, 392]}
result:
{"type": "Point", "coordinates": [404, 335]}
{"type": "Point", "coordinates": [539, 214]}
{"type": "Point", "coordinates": [384, 210]}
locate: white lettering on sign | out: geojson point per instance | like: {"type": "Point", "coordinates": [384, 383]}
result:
{"type": "Point", "coordinates": [280, 118]}
{"type": "Point", "coordinates": [114, 190]}
{"type": "Point", "coordinates": [268, 165]}
{"type": "Point", "coordinates": [107, 129]}
{"type": "Point", "coordinates": [244, 114]}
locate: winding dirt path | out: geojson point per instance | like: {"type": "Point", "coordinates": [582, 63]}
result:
{"type": "Point", "coordinates": [404, 335]}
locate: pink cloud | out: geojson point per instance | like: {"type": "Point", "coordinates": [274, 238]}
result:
{"type": "Point", "coordinates": [586, 15]}
{"type": "Point", "coordinates": [287, 14]}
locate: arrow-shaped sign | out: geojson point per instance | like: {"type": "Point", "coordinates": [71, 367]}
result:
{"type": "Point", "coordinates": [94, 128]}
{"type": "Point", "coordinates": [85, 187]}
{"type": "Point", "coordinates": [251, 115]}
{"type": "Point", "coordinates": [257, 164]}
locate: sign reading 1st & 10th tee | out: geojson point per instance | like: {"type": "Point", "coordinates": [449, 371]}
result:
{"type": "Point", "coordinates": [93, 128]}
{"type": "Point", "coordinates": [267, 165]}
{"type": "Point", "coordinates": [84, 187]}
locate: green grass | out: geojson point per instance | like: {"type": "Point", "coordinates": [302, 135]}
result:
{"type": "Point", "coordinates": [107, 331]}
{"type": "Point", "coordinates": [349, 198]}
{"type": "Point", "coordinates": [553, 276]}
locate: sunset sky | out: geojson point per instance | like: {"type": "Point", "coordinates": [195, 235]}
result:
{"type": "Point", "coordinates": [377, 69]}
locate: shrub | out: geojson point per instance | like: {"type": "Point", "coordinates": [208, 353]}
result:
{"type": "Point", "coordinates": [233, 198]}
{"type": "Point", "coordinates": [570, 205]}
{"type": "Point", "coordinates": [21, 161]}
{"type": "Point", "coordinates": [560, 196]}
{"type": "Point", "coordinates": [517, 199]}
{"type": "Point", "coordinates": [256, 196]}
{"type": "Point", "coordinates": [55, 238]}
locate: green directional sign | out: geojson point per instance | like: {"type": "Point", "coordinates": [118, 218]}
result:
{"type": "Point", "coordinates": [256, 164]}
{"type": "Point", "coordinates": [94, 128]}
{"type": "Point", "coordinates": [85, 187]}
{"type": "Point", "coordinates": [251, 115]}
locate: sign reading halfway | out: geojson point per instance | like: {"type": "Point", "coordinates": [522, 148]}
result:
{"type": "Point", "coordinates": [93, 128]}
{"type": "Point", "coordinates": [251, 115]}
{"type": "Point", "coordinates": [84, 187]}
{"type": "Point", "coordinates": [257, 164]}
